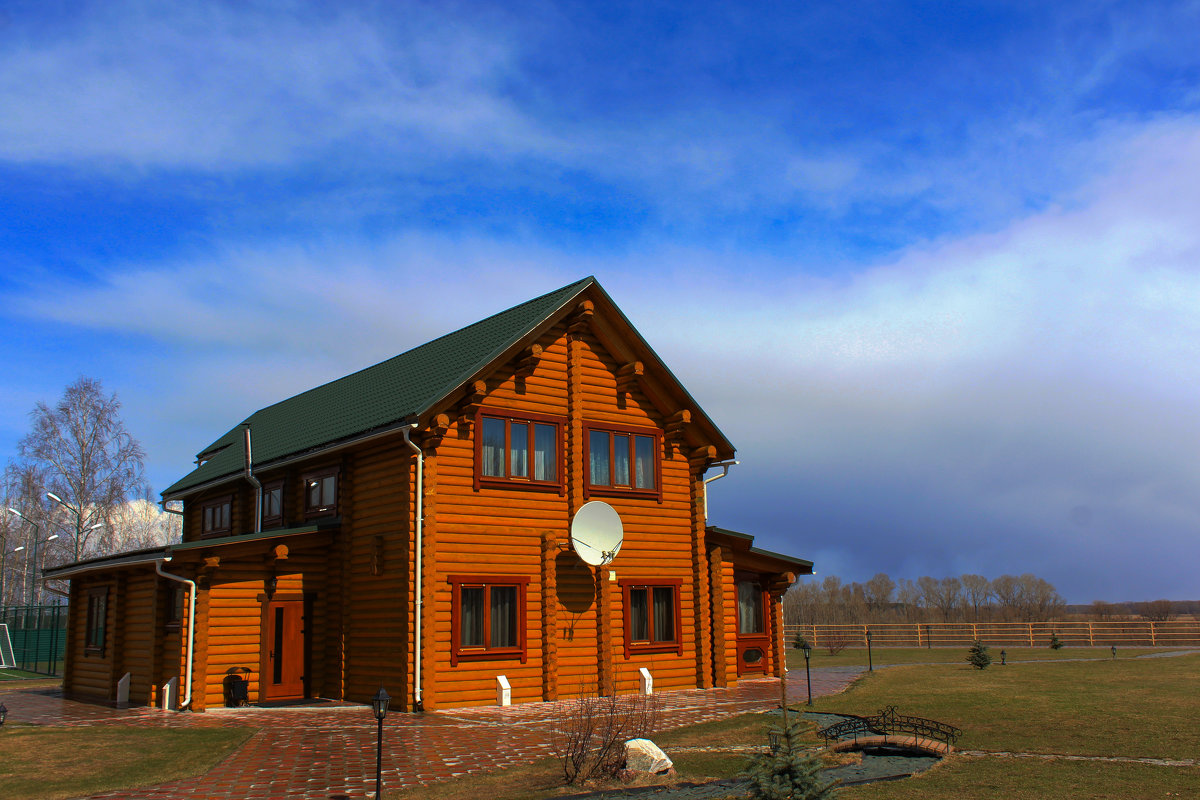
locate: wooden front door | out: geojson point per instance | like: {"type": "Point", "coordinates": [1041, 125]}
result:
{"type": "Point", "coordinates": [753, 639]}
{"type": "Point", "coordinates": [282, 676]}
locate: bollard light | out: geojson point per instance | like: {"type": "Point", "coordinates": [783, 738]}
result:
{"type": "Point", "coordinates": [379, 705]}
{"type": "Point", "coordinates": [870, 664]}
{"type": "Point", "coordinates": [1003, 656]}
{"type": "Point", "coordinates": [3, 712]}
{"type": "Point", "coordinates": [1114, 652]}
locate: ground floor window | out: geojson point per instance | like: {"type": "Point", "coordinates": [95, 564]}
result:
{"type": "Point", "coordinates": [651, 613]}
{"type": "Point", "coordinates": [97, 619]}
{"type": "Point", "coordinates": [488, 617]}
{"type": "Point", "coordinates": [751, 608]}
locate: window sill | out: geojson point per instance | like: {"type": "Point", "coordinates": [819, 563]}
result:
{"type": "Point", "coordinates": [519, 485]}
{"type": "Point", "coordinates": [608, 491]}
{"type": "Point", "coordinates": [491, 654]}
{"type": "Point", "coordinates": [657, 647]}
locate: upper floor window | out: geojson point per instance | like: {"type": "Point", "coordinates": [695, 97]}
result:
{"type": "Point", "coordinates": [272, 504]}
{"type": "Point", "coordinates": [623, 460]}
{"type": "Point", "coordinates": [217, 516]}
{"type": "Point", "coordinates": [321, 492]}
{"type": "Point", "coordinates": [518, 450]}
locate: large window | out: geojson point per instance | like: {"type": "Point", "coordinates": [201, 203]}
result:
{"type": "Point", "coordinates": [216, 516]}
{"type": "Point", "coordinates": [651, 612]}
{"type": "Point", "coordinates": [487, 617]}
{"type": "Point", "coordinates": [321, 492]}
{"type": "Point", "coordinates": [518, 450]}
{"type": "Point", "coordinates": [97, 620]}
{"type": "Point", "coordinates": [623, 461]}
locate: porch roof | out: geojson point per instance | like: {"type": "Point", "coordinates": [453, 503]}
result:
{"type": "Point", "coordinates": [743, 543]}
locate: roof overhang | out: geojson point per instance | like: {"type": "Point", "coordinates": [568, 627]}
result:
{"type": "Point", "coordinates": [742, 545]}
{"type": "Point", "coordinates": [167, 553]}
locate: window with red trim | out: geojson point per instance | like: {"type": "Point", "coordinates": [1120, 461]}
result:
{"type": "Point", "coordinates": [272, 504]}
{"type": "Point", "coordinates": [321, 492]}
{"type": "Point", "coordinates": [518, 450]}
{"type": "Point", "coordinates": [487, 617]}
{"type": "Point", "coordinates": [216, 516]}
{"type": "Point", "coordinates": [651, 612]}
{"type": "Point", "coordinates": [752, 614]}
{"type": "Point", "coordinates": [623, 461]}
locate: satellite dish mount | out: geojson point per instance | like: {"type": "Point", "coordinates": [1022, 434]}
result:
{"type": "Point", "coordinates": [597, 533]}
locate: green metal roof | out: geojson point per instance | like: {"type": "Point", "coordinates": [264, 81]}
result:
{"type": "Point", "coordinates": [375, 398]}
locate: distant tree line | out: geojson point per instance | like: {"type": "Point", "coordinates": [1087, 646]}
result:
{"type": "Point", "coordinates": [967, 598]}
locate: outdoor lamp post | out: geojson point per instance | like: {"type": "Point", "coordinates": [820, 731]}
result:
{"type": "Point", "coordinates": [1003, 655]}
{"type": "Point", "coordinates": [379, 704]}
{"type": "Point", "coordinates": [807, 674]}
{"type": "Point", "coordinates": [3, 712]}
{"type": "Point", "coordinates": [1114, 652]}
{"type": "Point", "coordinates": [870, 663]}
{"type": "Point", "coordinates": [24, 575]}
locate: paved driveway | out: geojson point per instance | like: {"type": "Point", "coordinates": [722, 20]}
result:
{"type": "Point", "coordinates": [328, 751]}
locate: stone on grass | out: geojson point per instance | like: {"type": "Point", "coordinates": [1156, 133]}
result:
{"type": "Point", "coordinates": [643, 755]}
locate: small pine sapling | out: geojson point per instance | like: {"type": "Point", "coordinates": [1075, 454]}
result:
{"type": "Point", "coordinates": [1055, 642]}
{"type": "Point", "coordinates": [799, 643]}
{"type": "Point", "coordinates": [978, 656]}
{"type": "Point", "coordinates": [788, 773]}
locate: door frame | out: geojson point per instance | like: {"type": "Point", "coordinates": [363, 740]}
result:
{"type": "Point", "coordinates": [305, 601]}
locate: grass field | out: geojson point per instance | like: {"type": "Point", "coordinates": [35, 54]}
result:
{"type": "Point", "coordinates": [41, 763]}
{"type": "Point", "coordinates": [857, 656]}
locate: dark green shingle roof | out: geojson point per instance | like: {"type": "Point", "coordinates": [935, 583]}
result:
{"type": "Point", "coordinates": [377, 397]}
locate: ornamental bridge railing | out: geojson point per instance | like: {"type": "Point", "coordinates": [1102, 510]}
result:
{"type": "Point", "coordinates": [888, 722]}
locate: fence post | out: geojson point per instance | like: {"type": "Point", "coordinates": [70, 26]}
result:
{"type": "Point", "coordinates": [1153, 639]}
{"type": "Point", "coordinates": [1031, 634]}
{"type": "Point", "coordinates": [1091, 639]}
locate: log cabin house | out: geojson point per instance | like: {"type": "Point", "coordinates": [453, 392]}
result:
{"type": "Point", "coordinates": [408, 526]}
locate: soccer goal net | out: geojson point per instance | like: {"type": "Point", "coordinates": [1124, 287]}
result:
{"type": "Point", "coordinates": [7, 659]}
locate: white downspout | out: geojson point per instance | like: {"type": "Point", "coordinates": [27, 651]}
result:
{"type": "Point", "coordinates": [420, 519]}
{"type": "Point", "coordinates": [724, 465]}
{"type": "Point", "coordinates": [191, 634]}
{"type": "Point", "coordinates": [253, 481]}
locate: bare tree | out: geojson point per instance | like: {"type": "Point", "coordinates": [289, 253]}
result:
{"type": "Point", "coordinates": [1102, 610]}
{"type": "Point", "coordinates": [80, 459]}
{"type": "Point", "coordinates": [1039, 600]}
{"type": "Point", "coordinates": [1155, 610]}
{"type": "Point", "coordinates": [1007, 591]}
{"type": "Point", "coordinates": [908, 595]}
{"type": "Point", "coordinates": [878, 592]}
{"type": "Point", "coordinates": [978, 590]}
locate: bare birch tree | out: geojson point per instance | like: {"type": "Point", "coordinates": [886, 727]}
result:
{"type": "Point", "coordinates": [79, 463]}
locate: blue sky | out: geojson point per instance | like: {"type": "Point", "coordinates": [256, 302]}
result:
{"type": "Point", "coordinates": [933, 268]}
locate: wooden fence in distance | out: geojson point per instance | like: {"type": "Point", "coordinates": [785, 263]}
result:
{"type": "Point", "coordinates": [1122, 633]}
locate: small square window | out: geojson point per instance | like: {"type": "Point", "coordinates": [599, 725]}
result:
{"type": "Point", "coordinates": [321, 493]}
{"type": "Point", "coordinates": [487, 617]}
{"type": "Point", "coordinates": [651, 616]}
{"type": "Point", "coordinates": [217, 516]}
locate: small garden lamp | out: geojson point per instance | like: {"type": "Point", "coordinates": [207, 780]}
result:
{"type": "Point", "coordinates": [379, 705]}
{"type": "Point", "coordinates": [1003, 655]}
{"type": "Point", "coordinates": [1114, 652]}
{"type": "Point", "coordinates": [807, 674]}
{"type": "Point", "coordinates": [870, 664]}
{"type": "Point", "coordinates": [3, 712]}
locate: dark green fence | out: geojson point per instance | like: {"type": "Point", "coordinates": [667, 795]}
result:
{"type": "Point", "coordinates": [39, 636]}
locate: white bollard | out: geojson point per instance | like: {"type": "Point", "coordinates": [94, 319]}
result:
{"type": "Point", "coordinates": [123, 690]}
{"type": "Point", "coordinates": [170, 694]}
{"type": "Point", "coordinates": [647, 681]}
{"type": "Point", "coordinates": [503, 691]}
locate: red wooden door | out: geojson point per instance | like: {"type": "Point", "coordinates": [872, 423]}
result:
{"type": "Point", "coordinates": [282, 674]}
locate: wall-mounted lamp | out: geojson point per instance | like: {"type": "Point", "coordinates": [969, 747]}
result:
{"type": "Point", "coordinates": [269, 584]}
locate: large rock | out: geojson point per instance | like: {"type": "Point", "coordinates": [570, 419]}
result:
{"type": "Point", "coordinates": [643, 755]}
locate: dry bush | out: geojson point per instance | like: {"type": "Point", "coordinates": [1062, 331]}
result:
{"type": "Point", "coordinates": [835, 642]}
{"type": "Point", "coordinates": [589, 739]}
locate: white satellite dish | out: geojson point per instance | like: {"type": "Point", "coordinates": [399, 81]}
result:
{"type": "Point", "coordinates": [597, 533]}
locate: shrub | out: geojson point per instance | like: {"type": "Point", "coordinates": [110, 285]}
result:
{"type": "Point", "coordinates": [589, 739]}
{"type": "Point", "coordinates": [978, 656]}
{"type": "Point", "coordinates": [799, 643]}
{"type": "Point", "coordinates": [788, 773]}
{"type": "Point", "coordinates": [836, 642]}
{"type": "Point", "coordinates": [1055, 642]}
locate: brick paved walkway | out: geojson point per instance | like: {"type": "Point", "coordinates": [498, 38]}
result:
{"type": "Point", "coordinates": [328, 751]}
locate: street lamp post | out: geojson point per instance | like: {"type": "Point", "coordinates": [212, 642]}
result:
{"type": "Point", "coordinates": [24, 575]}
{"type": "Point", "coordinates": [379, 704]}
{"type": "Point", "coordinates": [34, 594]}
{"type": "Point", "coordinates": [807, 674]}
{"type": "Point", "coordinates": [870, 664]}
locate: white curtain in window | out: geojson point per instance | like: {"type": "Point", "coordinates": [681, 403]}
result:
{"type": "Point", "coordinates": [598, 466]}
{"type": "Point", "coordinates": [643, 462]}
{"type": "Point", "coordinates": [493, 448]}
{"type": "Point", "coordinates": [471, 625]}
{"type": "Point", "coordinates": [750, 609]}
{"type": "Point", "coordinates": [544, 466]}
{"type": "Point", "coordinates": [504, 616]}
{"type": "Point", "coordinates": [664, 614]}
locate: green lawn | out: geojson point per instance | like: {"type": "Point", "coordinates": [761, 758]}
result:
{"type": "Point", "coordinates": [857, 656]}
{"type": "Point", "coordinates": [43, 763]}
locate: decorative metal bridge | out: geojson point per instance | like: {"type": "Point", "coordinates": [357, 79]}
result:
{"type": "Point", "coordinates": [888, 722]}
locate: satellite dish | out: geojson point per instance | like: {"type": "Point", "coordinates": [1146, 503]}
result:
{"type": "Point", "coordinates": [596, 533]}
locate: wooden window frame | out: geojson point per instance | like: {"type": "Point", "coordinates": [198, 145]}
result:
{"type": "Point", "coordinates": [316, 475]}
{"type": "Point", "coordinates": [274, 519]}
{"type": "Point", "coordinates": [214, 503]}
{"type": "Point", "coordinates": [632, 648]}
{"type": "Point", "coordinates": [509, 417]}
{"type": "Point", "coordinates": [173, 606]}
{"type": "Point", "coordinates": [621, 491]}
{"type": "Point", "coordinates": [97, 599]}
{"type": "Point", "coordinates": [486, 653]}
{"type": "Point", "coordinates": [765, 601]}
